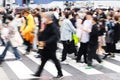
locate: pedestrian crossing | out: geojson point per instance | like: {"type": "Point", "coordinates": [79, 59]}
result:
{"type": "Point", "coordinates": [24, 72]}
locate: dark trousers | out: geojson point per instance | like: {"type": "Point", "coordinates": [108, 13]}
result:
{"type": "Point", "coordinates": [65, 50]}
{"type": "Point", "coordinates": [28, 44]}
{"type": "Point", "coordinates": [45, 56]}
{"type": "Point", "coordinates": [82, 51]}
{"type": "Point", "coordinates": [68, 48]}
{"type": "Point", "coordinates": [92, 54]}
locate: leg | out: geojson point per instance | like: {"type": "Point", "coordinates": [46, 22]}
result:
{"type": "Point", "coordinates": [5, 50]}
{"type": "Point", "coordinates": [15, 51]}
{"type": "Point", "coordinates": [82, 51]}
{"type": "Point", "coordinates": [57, 64]}
{"type": "Point", "coordinates": [96, 55]}
{"type": "Point", "coordinates": [40, 69]}
{"type": "Point", "coordinates": [65, 50]}
{"type": "Point", "coordinates": [29, 46]}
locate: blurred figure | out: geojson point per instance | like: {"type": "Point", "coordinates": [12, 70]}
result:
{"type": "Point", "coordinates": [48, 39]}
{"type": "Point", "coordinates": [66, 31]}
{"type": "Point", "coordinates": [10, 31]}
{"type": "Point", "coordinates": [110, 47]}
{"type": "Point", "coordinates": [93, 44]}
{"type": "Point", "coordinates": [86, 26]}
{"type": "Point", "coordinates": [27, 30]}
{"type": "Point", "coordinates": [101, 38]}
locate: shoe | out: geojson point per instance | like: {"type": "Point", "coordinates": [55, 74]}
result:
{"type": "Point", "coordinates": [112, 55]}
{"type": "Point", "coordinates": [34, 50]}
{"type": "Point", "coordinates": [64, 62]}
{"type": "Point", "coordinates": [36, 75]}
{"type": "Point", "coordinates": [19, 59]}
{"type": "Point", "coordinates": [38, 56]}
{"type": "Point", "coordinates": [106, 55]}
{"type": "Point", "coordinates": [59, 76]}
{"type": "Point", "coordinates": [1, 60]}
{"type": "Point", "coordinates": [88, 67]}
{"type": "Point", "coordinates": [79, 61]}
{"type": "Point", "coordinates": [26, 53]}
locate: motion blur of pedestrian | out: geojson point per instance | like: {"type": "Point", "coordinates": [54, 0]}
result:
{"type": "Point", "coordinates": [66, 31]}
{"type": "Point", "coordinates": [93, 44]}
{"type": "Point", "coordinates": [27, 30]}
{"type": "Point", "coordinates": [10, 31]}
{"type": "Point", "coordinates": [48, 39]}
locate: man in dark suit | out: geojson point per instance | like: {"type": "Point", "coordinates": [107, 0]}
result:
{"type": "Point", "coordinates": [48, 38]}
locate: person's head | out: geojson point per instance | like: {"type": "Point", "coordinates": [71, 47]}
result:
{"type": "Point", "coordinates": [116, 18]}
{"type": "Point", "coordinates": [48, 17]}
{"type": "Point", "coordinates": [76, 16]}
{"type": "Point", "coordinates": [37, 10]}
{"type": "Point", "coordinates": [68, 15]}
{"type": "Point", "coordinates": [94, 20]}
{"type": "Point", "coordinates": [57, 10]}
{"type": "Point", "coordinates": [18, 15]}
{"type": "Point", "coordinates": [100, 11]}
{"type": "Point", "coordinates": [25, 12]}
{"type": "Point", "coordinates": [9, 18]}
{"type": "Point", "coordinates": [88, 15]}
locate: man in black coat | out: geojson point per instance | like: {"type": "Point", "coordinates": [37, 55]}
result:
{"type": "Point", "coordinates": [93, 44]}
{"type": "Point", "coordinates": [48, 38]}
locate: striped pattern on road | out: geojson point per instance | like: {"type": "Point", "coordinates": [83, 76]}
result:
{"type": "Point", "coordinates": [23, 72]}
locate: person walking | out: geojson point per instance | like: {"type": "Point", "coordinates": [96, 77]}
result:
{"type": "Point", "coordinates": [86, 26]}
{"type": "Point", "coordinates": [93, 44]}
{"type": "Point", "coordinates": [47, 44]}
{"type": "Point", "coordinates": [66, 31]}
{"type": "Point", "coordinates": [27, 30]}
{"type": "Point", "coordinates": [11, 31]}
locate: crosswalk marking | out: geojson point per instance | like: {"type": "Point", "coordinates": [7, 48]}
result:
{"type": "Point", "coordinates": [20, 69]}
{"type": "Point", "coordinates": [3, 75]}
{"type": "Point", "coordinates": [80, 68]}
{"type": "Point", "coordinates": [49, 66]}
{"type": "Point", "coordinates": [117, 58]}
{"type": "Point", "coordinates": [23, 72]}
{"type": "Point", "coordinates": [111, 66]}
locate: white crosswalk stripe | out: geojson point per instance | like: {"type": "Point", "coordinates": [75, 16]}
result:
{"type": "Point", "coordinates": [22, 71]}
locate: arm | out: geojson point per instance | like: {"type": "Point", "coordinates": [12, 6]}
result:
{"type": "Point", "coordinates": [30, 26]}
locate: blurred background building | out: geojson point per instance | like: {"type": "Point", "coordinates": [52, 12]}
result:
{"type": "Point", "coordinates": [62, 3]}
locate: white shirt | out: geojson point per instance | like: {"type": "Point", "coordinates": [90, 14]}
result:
{"type": "Point", "coordinates": [85, 35]}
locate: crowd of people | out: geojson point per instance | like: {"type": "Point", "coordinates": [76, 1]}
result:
{"type": "Point", "coordinates": [98, 32]}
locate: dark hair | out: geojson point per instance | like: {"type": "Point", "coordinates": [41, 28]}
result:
{"type": "Point", "coordinates": [67, 14]}
{"type": "Point", "coordinates": [116, 18]}
{"type": "Point", "coordinates": [37, 9]}
{"type": "Point", "coordinates": [9, 17]}
{"type": "Point", "coordinates": [95, 19]}
{"type": "Point", "coordinates": [89, 13]}
{"type": "Point", "coordinates": [25, 11]}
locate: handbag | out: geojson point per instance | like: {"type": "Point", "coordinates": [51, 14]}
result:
{"type": "Point", "coordinates": [75, 39]}
{"type": "Point", "coordinates": [117, 45]}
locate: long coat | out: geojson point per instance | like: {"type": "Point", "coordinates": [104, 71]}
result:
{"type": "Point", "coordinates": [28, 28]}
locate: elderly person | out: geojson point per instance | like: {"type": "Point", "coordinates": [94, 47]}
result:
{"type": "Point", "coordinates": [48, 44]}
